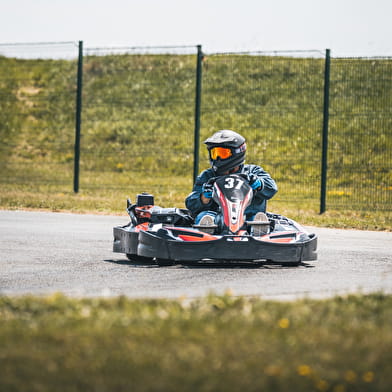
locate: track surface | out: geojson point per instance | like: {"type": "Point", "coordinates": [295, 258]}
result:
{"type": "Point", "coordinates": [43, 253]}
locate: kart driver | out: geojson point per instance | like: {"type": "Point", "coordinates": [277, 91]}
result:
{"type": "Point", "coordinates": [227, 150]}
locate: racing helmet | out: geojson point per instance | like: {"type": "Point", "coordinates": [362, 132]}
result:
{"type": "Point", "coordinates": [226, 149]}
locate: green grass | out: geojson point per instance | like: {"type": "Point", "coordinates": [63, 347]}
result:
{"type": "Point", "coordinates": [215, 343]}
{"type": "Point", "coordinates": [138, 121]}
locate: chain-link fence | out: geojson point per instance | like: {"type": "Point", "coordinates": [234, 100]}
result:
{"type": "Point", "coordinates": [276, 102]}
{"type": "Point", "coordinates": [37, 116]}
{"type": "Point", "coordinates": [360, 134]}
{"type": "Point", "coordinates": [140, 114]}
{"type": "Point", "coordinates": [138, 117]}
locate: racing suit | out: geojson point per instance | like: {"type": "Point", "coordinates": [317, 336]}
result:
{"type": "Point", "coordinates": [267, 190]}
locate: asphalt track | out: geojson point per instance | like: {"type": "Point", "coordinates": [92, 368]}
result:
{"type": "Point", "coordinates": [42, 253]}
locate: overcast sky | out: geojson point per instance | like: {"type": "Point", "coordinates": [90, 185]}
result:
{"type": "Point", "coordinates": [347, 27]}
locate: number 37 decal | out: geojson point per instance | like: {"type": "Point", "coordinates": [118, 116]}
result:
{"type": "Point", "coordinates": [231, 182]}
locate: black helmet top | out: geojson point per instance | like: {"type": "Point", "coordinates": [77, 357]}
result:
{"type": "Point", "coordinates": [226, 149]}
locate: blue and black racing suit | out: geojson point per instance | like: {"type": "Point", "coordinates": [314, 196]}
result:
{"type": "Point", "coordinates": [266, 191]}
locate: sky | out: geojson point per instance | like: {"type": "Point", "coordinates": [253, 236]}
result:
{"type": "Point", "coordinates": [347, 27]}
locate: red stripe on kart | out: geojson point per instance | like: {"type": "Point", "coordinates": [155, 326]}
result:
{"type": "Point", "coordinates": [141, 227]}
{"type": "Point", "coordinates": [206, 237]}
{"type": "Point", "coordinates": [279, 240]}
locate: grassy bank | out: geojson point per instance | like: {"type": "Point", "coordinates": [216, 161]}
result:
{"type": "Point", "coordinates": [216, 343]}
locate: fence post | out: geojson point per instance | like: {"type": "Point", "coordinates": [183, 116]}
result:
{"type": "Point", "coordinates": [324, 156]}
{"type": "Point", "coordinates": [78, 116]}
{"type": "Point", "coordinates": [196, 143]}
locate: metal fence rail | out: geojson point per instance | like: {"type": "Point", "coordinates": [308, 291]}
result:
{"type": "Point", "coordinates": [142, 114]}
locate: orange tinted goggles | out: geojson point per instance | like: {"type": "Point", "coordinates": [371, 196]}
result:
{"type": "Point", "coordinates": [220, 152]}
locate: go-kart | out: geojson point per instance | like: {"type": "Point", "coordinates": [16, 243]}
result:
{"type": "Point", "coordinates": [169, 235]}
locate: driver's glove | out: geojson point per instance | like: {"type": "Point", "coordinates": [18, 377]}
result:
{"type": "Point", "coordinates": [207, 190]}
{"type": "Point", "coordinates": [254, 181]}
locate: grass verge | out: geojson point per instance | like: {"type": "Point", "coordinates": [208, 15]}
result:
{"type": "Point", "coordinates": [215, 343]}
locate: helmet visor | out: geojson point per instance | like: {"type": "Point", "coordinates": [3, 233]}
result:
{"type": "Point", "coordinates": [220, 152]}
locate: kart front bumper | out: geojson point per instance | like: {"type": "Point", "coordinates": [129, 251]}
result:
{"type": "Point", "coordinates": [126, 239]}
{"type": "Point", "coordinates": [225, 248]}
